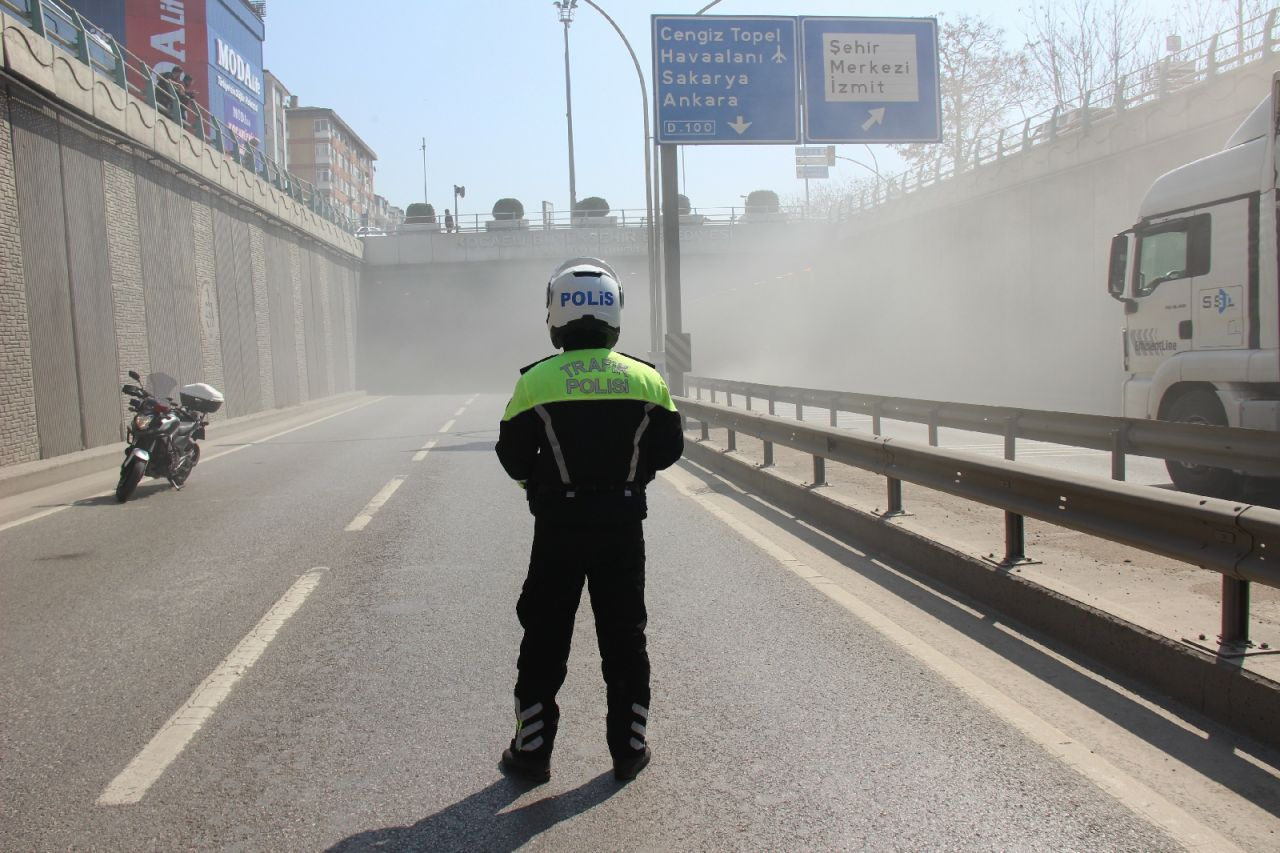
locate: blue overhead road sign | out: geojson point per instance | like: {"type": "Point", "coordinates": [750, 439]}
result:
{"type": "Point", "coordinates": [726, 80]}
{"type": "Point", "coordinates": [871, 80]}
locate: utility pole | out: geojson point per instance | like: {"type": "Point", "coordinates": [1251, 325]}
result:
{"type": "Point", "coordinates": [424, 170]}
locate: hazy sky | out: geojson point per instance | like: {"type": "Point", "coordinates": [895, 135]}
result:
{"type": "Point", "coordinates": [483, 81]}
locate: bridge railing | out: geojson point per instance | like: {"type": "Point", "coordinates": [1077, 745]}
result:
{"type": "Point", "coordinates": [1255, 40]}
{"type": "Point", "coordinates": [68, 30]}
{"type": "Point", "coordinates": [1194, 444]}
{"type": "Point", "coordinates": [1236, 540]}
{"type": "Point", "coordinates": [621, 218]}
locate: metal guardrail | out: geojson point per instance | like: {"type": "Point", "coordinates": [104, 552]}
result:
{"type": "Point", "coordinates": [68, 30]}
{"type": "Point", "coordinates": [1195, 444]}
{"type": "Point", "coordinates": [1255, 40]}
{"type": "Point", "coordinates": [1237, 540]}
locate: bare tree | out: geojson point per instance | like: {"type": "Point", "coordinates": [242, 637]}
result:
{"type": "Point", "coordinates": [982, 85]}
{"type": "Point", "coordinates": [1195, 21]}
{"type": "Point", "coordinates": [1078, 47]}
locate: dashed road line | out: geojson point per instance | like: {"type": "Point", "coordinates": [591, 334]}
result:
{"type": "Point", "coordinates": [365, 515]}
{"type": "Point", "coordinates": [422, 453]}
{"type": "Point", "coordinates": [148, 765]}
{"type": "Point", "coordinates": [447, 426]}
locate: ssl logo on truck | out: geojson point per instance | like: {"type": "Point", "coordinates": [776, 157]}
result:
{"type": "Point", "coordinates": [1220, 300]}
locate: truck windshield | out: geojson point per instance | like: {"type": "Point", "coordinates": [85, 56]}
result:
{"type": "Point", "coordinates": [1162, 256]}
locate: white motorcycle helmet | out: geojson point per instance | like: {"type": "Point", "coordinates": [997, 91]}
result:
{"type": "Point", "coordinates": [584, 295]}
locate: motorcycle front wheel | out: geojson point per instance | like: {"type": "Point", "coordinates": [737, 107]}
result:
{"type": "Point", "coordinates": [129, 479]}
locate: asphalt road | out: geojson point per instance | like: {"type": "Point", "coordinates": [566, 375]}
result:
{"type": "Point", "coordinates": [247, 665]}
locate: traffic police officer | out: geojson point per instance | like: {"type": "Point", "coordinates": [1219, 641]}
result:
{"type": "Point", "coordinates": [584, 432]}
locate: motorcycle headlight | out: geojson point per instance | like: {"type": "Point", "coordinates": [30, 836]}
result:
{"type": "Point", "coordinates": [142, 422]}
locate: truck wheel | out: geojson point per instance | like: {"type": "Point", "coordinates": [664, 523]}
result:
{"type": "Point", "coordinates": [1201, 407]}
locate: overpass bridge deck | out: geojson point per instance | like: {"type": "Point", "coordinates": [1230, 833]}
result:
{"type": "Point", "coordinates": [806, 695]}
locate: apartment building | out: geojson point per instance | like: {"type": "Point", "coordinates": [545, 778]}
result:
{"type": "Point", "coordinates": [278, 100]}
{"type": "Point", "coordinates": [324, 150]}
{"type": "Point", "coordinates": [385, 214]}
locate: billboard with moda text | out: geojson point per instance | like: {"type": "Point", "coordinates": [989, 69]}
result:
{"type": "Point", "coordinates": [236, 91]}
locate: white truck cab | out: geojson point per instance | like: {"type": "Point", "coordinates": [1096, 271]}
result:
{"type": "Point", "coordinates": [1200, 282]}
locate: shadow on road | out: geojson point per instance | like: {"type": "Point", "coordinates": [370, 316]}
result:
{"type": "Point", "coordinates": [479, 822]}
{"type": "Point", "coordinates": [145, 489]}
{"type": "Point", "coordinates": [463, 447]}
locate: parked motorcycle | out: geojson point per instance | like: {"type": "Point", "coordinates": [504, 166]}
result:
{"type": "Point", "coordinates": [163, 434]}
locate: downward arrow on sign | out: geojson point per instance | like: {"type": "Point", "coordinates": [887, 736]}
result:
{"type": "Point", "coordinates": [741, 126]}
{"type": "Point", "coordinates": [877, 117]}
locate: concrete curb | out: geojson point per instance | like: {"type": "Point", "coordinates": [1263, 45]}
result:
{"type": "Point", "coordinates": [1244, 701]}
{"type": "Point", "coordinates": [28, 476]}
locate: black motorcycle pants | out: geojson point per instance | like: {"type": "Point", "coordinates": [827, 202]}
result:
{"type": "Point", "coordinates": [609, 558]}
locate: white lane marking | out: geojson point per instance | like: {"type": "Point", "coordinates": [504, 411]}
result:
{"type": "Point", "coordinates": [447, 427]}
{"type": "Point", "coordinates": [422, 454]}
{"type": "Point", "coordinates": [230, 450]}
{"type": "Point", "coordinates": [50, 511]}
{"type": "Point", "coordinates": [148, 765]}
{"type": "Point", "coordinates": [474, 397]}
{"type": "Point", "coordinates": [206, 459]}
{"type": "Point", "coordinates": [458, 413]}
{"type": "Point", "coordinates": [1122, 787]}
{"type": "Point", "coordinates": [366, 515]}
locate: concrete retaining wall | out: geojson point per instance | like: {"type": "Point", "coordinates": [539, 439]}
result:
{"type": "Point", "coordinates": [114, 258]}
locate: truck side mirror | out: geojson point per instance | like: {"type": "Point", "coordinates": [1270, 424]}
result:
{"type": "Point", "coordinates": [1118, 267]}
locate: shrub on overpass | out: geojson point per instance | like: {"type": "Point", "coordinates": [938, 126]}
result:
{"type": "Point", "coordinates": [762, 201]}
{"type": "Point", "coordinates": [592, 206]}
{"type": "Point", "coordinates": [419, 213]}
{"type": "Point", "coordinates": [508, 208]}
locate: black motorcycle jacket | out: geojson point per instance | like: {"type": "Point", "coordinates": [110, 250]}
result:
{"type": "Point", "coordinates": [585, 431]}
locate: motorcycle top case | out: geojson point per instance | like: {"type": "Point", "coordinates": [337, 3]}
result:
{"type": "Point", "coordinates": [200, 397]}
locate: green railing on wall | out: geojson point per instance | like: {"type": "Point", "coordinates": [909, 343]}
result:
{"type": "Point", "coordinates": [69, 31]}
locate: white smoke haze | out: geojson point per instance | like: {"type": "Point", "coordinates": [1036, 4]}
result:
{"type": "Point", "coordinates": [986, 288]}
{"type": "Point", "coordinates": [467, 327]}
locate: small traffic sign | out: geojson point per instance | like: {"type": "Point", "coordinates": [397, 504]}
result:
{"type": "Point", "coordinates": [816, 155]}
{"type": "Point", "coordinates": [721, 80]}
{"type": "Point", "coordinates": [811, 171]}
{"type": "Point", "coordinates": [870, 80]}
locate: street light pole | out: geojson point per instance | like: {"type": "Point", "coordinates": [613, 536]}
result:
{"type": "Point", "coordinates": [566, 9]}
{"type": "Point", "coordinates": [655, 287]}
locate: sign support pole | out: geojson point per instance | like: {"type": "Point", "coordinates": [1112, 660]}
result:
{"type": "Point", "coordinates": [671, 256]}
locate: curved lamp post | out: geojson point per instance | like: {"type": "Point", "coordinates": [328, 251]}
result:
{"type": "Point", "coordinates": [655, 292]}
{"type": "Point", "coordinates": [566, 9]}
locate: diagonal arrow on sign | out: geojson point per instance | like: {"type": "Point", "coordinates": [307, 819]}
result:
{"type": "Point", "coordinates": [877, 117]}
{"type": "Point", "coordinates": [741, 126]}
